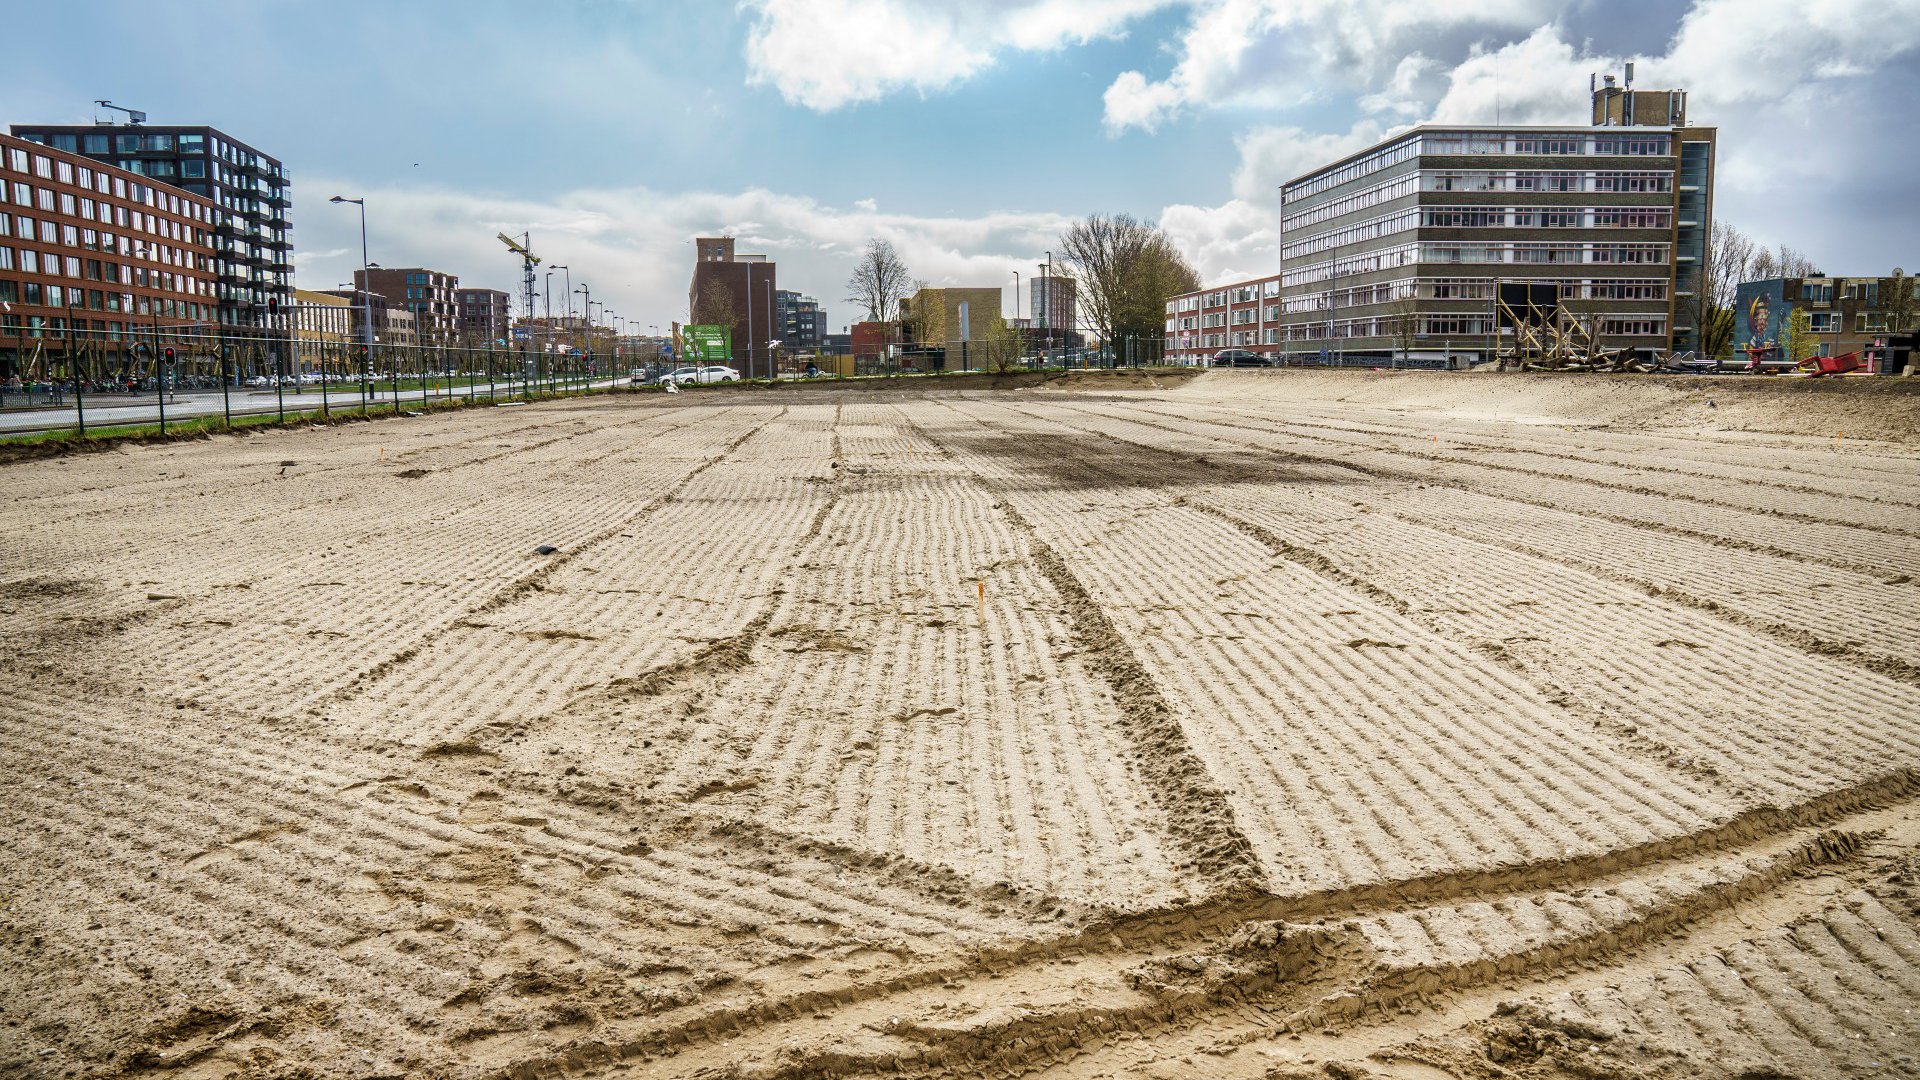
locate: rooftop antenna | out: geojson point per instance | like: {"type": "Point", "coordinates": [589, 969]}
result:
{"type": "Point", "coordinates": [134, 116]}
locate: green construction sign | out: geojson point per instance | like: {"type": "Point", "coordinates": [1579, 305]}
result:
{"type": "Point", "coordinates": [706, 344]}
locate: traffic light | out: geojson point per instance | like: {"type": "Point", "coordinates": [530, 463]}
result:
{"type": "Point", "coordinates": [167, 354]}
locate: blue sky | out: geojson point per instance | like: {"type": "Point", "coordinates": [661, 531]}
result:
{"type": "Point", "coordinates": [969, 134]}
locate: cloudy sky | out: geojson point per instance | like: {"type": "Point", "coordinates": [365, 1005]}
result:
{"type": "Point", "coordinates": [969, 132]}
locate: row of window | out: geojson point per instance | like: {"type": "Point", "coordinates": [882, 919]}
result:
{"type": "Point", "coordinates": [55, 233]}
{"type": "Point", "coordinates": [1611, 254]}
{"type": "Point", "coordinates": [34, 294]}
{"type": "Point", "coordinates": [48, 264]}
{"type": "Point", "coordinates": [1484, 217]}
{"type": "Point", "coordinates": [1600, 181]}
{"type": "Point", "coordinates": [101, 182]}
{"type": "Point", "coordinates": [1552, 144]}
{"type": "Point", "coordinates": [152, 142]}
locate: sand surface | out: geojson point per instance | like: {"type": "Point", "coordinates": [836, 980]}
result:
{"type": "Point", "coordinates": [1262, 724]}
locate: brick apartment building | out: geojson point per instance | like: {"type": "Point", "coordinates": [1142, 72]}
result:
{"type": "Point", "coordinates": [1845, 314]}
{"type": "Point", "coordinates": [1422, 230]}
{"type": "Point", "coordinates": [427, 294]}
{"type": "Point", "coordinates": [102, 258]}
{"type": "Point", "coordinates": [253, 251]}
{"type": "Point", "coordinates": [483, 314]}
{"type": "Point", "coordinates": [747, 284]}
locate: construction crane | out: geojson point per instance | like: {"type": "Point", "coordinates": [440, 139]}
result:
{"type": "Point", "coordinates": [528, 260]}
{"type": "Point", "coordinates": [134, 116]}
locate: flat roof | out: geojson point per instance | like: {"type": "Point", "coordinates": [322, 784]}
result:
{"type": "Point", "coordinates": [1420, 129]}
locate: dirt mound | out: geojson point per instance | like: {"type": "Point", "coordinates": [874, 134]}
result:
{"type": "Point", "coordinates": [1884, 409]}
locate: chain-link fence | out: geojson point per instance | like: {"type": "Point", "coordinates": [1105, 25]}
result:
{"type": "Point", "coordinates": [89, 380]}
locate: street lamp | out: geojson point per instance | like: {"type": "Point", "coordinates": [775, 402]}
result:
{"type": "Point", "coordinates": [586, 311]}
{"type": "Point", "coordinates": [366, 300]}
{"type": "Point", "coordinates": [562, 267]}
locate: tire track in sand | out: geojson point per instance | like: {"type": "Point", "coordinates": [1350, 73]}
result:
{"type": "Point", "coordinates": [1199, 816]}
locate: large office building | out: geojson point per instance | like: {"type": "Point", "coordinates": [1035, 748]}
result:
{"type": "Point", "coordinates": [800, 322]}
{"type": "Point", "coordinates": [483, 314]}
{"type": "Point", "coordinates": [95, 260]}
{"type": "Point", "coordinates": [426, 294]}
{"type": "Point", "coordinates": [1403, 248]}
{"type": "Point", "coordinates": [737, 291]}
{"type": "Point", "coordinates": [253, 257]}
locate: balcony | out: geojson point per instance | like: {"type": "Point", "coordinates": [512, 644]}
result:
{"type": "Point", "coordinates": [279, 243]}
{"type": "Point", "coordinates": [278, 220]}
{"type": "Point", "coordinates": [281, 264]}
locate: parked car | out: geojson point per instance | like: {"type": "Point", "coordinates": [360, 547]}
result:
{"type": "Point", "coordinates": [712, 374]}
{"type": "Point", "coordinates": [1240, 358]}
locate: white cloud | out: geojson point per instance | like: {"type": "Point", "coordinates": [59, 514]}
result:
{"type": "Point", "coordinates": [633, 246]}
{"type": "Point", "coordinates": [827, 54]}
{"type": "Point", "coordinates": [1280, 53]}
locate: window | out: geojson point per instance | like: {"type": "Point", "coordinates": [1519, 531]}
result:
{"type": "Point", "coordinates": [126, 144]}
{"type": "Point", "coordinates": [96, 144]}
{"type": "Point", "coordinates": [193, 169]}
{"type": "Point", "coordinates": [1633, 326]}
{"type": "Point", "coordinates": [43, 167]}
{"type": "Point", "coordinates": [16, 159]}
{"type": "Point", "coordinates": [44, 196]}
{"type": "Point", "coordinates": [64, 169]}
{"type": "Point", "coordinates": [22, 194]}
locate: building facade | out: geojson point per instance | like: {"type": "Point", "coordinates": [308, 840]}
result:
{"type": "Point", "coordinates": [736, 290]}
{"type": "Point", "coordinates": [484, 314]}
{"type": "Point", "coordinates": [939, 317]}
{"type": "Point", "coordinates": [1844, 314]}
{"type": "Point", "coordinates": [1053, 303]}
{"type": "Point", "coordinates": [95, 260]}
{"type": "Point", "coordinates": [1243, 315]}
{"type": "Point", "coordinates": [320, 318]}
{"type": "Point", "coordinates": [253, 258]}
{"type": "Point", "coordinates": [428, 295]}
{"type": "Point", "coordinates": [1400, 251]}
{"type": "Point", "coordinates": [801, 323]}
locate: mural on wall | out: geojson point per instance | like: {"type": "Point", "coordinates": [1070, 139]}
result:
{"type": "Point", "coordinates": [1760, 309]}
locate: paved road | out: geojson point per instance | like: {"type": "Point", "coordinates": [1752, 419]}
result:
{"type": "Point", "coordinates": [116, 410]}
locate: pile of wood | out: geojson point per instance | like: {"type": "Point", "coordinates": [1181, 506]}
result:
{"type": "Point", "coordinates": [1559, 341]}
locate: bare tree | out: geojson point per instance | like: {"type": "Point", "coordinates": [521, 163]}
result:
{"type": "Point", "coordinates": [1729, 260]}
{"type": "Point", "coordinates": [1782, 262]}
{"type": "Point", "coordinates": [1124, 271]}
{"type": "Point", "coordinates": [879, 280]}
{"type": "Point", "coordinates": [714, 305]}
{"type": "Point", "coordinates": [1898, 300]}
{"type": "Point", "coordinates": [1403, 322]}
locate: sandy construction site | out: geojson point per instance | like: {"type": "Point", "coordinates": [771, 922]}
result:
{"type": "Point", "coordinates": [1261, 724]}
